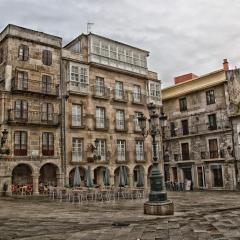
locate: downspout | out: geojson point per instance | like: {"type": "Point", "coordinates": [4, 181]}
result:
{"type": "Point", "coordinates": [63, 133]}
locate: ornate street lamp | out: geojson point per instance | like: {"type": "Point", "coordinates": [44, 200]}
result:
{"type": "Point", "coordinates": [4, 137]}
{"type": "Point", "coordinates": [158, 203]}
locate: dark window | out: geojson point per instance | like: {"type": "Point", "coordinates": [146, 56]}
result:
{"type": "Point", "coordinates": [21, 110]}
{"type": "Point", "coordinates": [185, 130]}
{"type": "Point", "coordinates": [183, 104]}
{"type": "Point", "coordinates": [210, 97]}
{"type": "Point", "coordinates": [22, 80]}
{"type": "Point", "coordinates": [23, 53]}
{"type": "Point", "coordinates": [1, 55]}
{"type": "Point", "coordinates": [217, 176]}
{"type": "Point", "coordinates": [47, 57]}
{"type": "Point", "coordinates": [185, 151]}
{"type": "Point", "coordinates": [212, 122]}
{"type": "Point", "coordinates": [47, 144]}
{"type": "Point", "coordinates": [172, 129]}
{"type": "Point", "coordinates": [46, 84]}
{"type": "Point", "coordinates": [47, 112]}
{"type": "Point", "coordinates": [20, 143]}
{"type": "Point", "coordinates": [213, 148]}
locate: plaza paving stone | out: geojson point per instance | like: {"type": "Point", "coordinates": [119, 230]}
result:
{"type": "Point", "coordinates": [198, 215]}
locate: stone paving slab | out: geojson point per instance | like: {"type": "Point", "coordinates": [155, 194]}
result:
{"type": "Point", "coordinates": [198, 215]}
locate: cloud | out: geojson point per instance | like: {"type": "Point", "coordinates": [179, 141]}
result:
{"type": "Point", "coordinates": [182, 35]}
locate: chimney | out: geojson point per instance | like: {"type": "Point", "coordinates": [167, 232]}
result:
{"type": "Point", "coordinates": [225, 65]}
{"type": "Point", "coordinates": [184, 78]}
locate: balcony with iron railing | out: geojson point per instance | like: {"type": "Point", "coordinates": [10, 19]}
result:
{"type": "Point", "coordinates": [120, 95]}
{"type": "Point", "coordinates": [121, 126]}
{"type": "Point", "coordinates": [100, 92]}
{"type": "Point", "coordinates": [79, 88]}
{"type": "Point", "coordinates": [138, 98]}
{"type": "Point", "coordinates": [77, 157]}
{"type": "Point", "coordinates": [137, 128]}
{"type": "Point", "coordinates": [33, 118]}
{"type": "Point", "coordinates": [78, 121]}
{"type": "Point", "coordinates": [101, 124]}
{"type": "Point", "coordinates": [140, 156]}
{"type": "Point", "coordinates": [195, 130]}
{"type": "Point", "coordinates": [122, 156]}
{"type": "Point", "coordinates": [33, 86]}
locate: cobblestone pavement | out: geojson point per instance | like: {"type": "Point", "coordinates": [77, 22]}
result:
{"type": "Point", "coordinates": [198, 215]}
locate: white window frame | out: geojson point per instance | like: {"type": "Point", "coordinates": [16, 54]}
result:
{"type": "Point", "coordinates": [100, 117]}
{"type": "Point", "coordinates": [101, 148]}
{"type": "Point", "coordinates": [120, 119]}
{"type": "Point", "coordinates": [77, 149]}
{"type": "Point", "coordinates": [139, 150]}
{"type": "Point", "coordinates": [76, 115]}
{"type": "Point", "coordinates": [121, 150]}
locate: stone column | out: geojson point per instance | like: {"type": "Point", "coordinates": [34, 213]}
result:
{"type": "Point", "coordinates": [130, 180]}
{"type": "Point", "coordinates": [59, 180]}
{"type": "Point", "coordinates": [146, 181]}
{"type": "Point", "coordinates": [112, 179]}
{"type": "Point", "coordinates": [35, 178]}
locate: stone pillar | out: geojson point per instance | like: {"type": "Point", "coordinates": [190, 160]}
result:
{"type": "Point", "coordinates": [130, 180]}
{"type": "Point", "coordinates": [59, 180]}
{"type": "Point", "coordinates": [66, 182]}
{"type": "Point", "coordinates": [195, 177]}
{"type": "Point", "coordinates": [146, 181]}
{"type": "Point", "coordinates": [112, 179]}
{"type": "Point", "coordinates": [35, 178]}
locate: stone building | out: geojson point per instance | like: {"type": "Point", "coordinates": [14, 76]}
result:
{"type": "Point", "coordinates": [198, 143]}
{"type": "Point", "coordinates": [30, 107]}
{"type": "Point", "coordinates": [107, 85]}
{"type": "Point", "coordinates": [72, 106]}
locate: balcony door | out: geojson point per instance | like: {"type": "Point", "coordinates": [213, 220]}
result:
{"type": "Point", "coordinates": [22, 80]}
{"type": "Point", "coordinates": [213, 148]}
{"type": "Point", "coordinates": [121, 150]}
{"type": "Point", "coordinates": [120, 120]}
{"type": "Point", "coordinates": [47, 112]}
{"type": "Point", "coordinates": [100, 117]}
{"type": "Point", "coordinates": [101, 148]}
{"type": "Point", "coordinates": [20, 143]}
{"type": "Point", "coordinates": [46, 84]}
{"type": "Point", "coordinates": [136, 93]}
{"type": "Point", "coordinates": [76, 115]}
{"type": "Point", "coordinates": [185, 151]}
{"type": "Point", "coordinates": [47, 144]}
{"type": "Point", "coordinates": [21, 110]}
{"type": "Point", "coordinates": [139, 150]}
{"type": "Point", "coordinates": [100, 90]}
{"type": "Point", "coordinates": [77, 149]}
{"type": "Point", "coordinates": [118, 90]}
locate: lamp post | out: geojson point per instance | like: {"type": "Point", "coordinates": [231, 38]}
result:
{"type": "Point", "coordinates": [3, 138]}
{"type": "Point", "coordinates": [158, 204]}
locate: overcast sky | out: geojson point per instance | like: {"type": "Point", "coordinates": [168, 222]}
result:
{"type": "Point", "coordinates": [182, 35]}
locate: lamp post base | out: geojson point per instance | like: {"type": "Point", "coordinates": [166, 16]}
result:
{"type": "Point", "coordinates": [159, 208]}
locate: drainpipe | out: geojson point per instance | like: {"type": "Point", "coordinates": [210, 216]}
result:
{"type": "Point", "coordinates": [235, 159]}
{"type": "Point", "coordinates": [63, 127]}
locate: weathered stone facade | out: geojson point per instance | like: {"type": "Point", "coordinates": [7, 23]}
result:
{"type": "Point", "coordinates": [198, 138]}
{"type": "Point", "coordinates": [30, 105]}
{"type": "Point", "coordinates": [86, 94]}
{"type": "Point", "coordinates": [50, 106]}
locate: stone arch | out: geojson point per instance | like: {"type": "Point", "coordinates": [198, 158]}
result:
{"type": "Point", "coordinates": [98, 173]}
{"type": "Point", "coordinates": [83, 174]}
{"type": "Point", "coordinates": [136, 171]}
{"type": "Point", "coordinates": [22, 174]}
{"type": "Point", "coordinates": [48, 174]}
{"type": "Point", "coordinates": [116, 175]}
